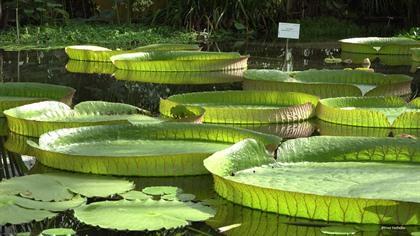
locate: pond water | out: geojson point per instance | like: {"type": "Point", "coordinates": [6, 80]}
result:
{"type": "Point", "coordinates": [50, 67]}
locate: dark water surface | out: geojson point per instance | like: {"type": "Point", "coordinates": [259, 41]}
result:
{"type": "Point", "coordinates": [50, 67]}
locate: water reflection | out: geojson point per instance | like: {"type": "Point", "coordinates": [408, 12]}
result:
{"type": "Point", "coordinates": [332, 129]}
{"type": "Point", "coordinates": [180, 77]}
{"type": "Point", "coordinates": [90, 67]}
{"type": "Point", "coordinates": [389, 60]}
{"type": "Point", "coordinates": [292, 130]}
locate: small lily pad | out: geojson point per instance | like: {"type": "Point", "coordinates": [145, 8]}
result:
{"type": "Point", "coordinates": [58, 232]}
{"type": "Point", "coordinates": [339, 230]}
{"type": "Point", "coordinates": [49, 206]}
{"type": "Point", "coordinates": [37, 186]}
{"type": "Point", "coordinates": [183, 197]}
{"type": "Point", "coordinates": [142, 215]}
{"type": "Point", "coordinates": [13, 214]}
{"type": "Point", "coordinates": [93, 185]}
{"type": "Point", "coordinates": [161, 190]}
{"type": "Point", "coordinates": [135, 195]}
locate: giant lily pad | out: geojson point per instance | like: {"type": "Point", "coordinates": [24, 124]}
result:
{"type": "Point", "coordinates": [142, 215]}
{"type": "Point", "coordinates": [370, 111]}
{"type": "Point", "coordinates": [180, 61]}
{"type": "Point", "coordinates": [21, 93]}
{"type": "Point", "coordinates": [36, 119]}
{"type": "Point", "coordinates": [180, 77]}
{"type": "Point", "coordinates": [165, 149]}
{"type": "Point", "coordinates": [90, 67]}
{"type": "Point", "coordinates": [377, 45]}
{"type": "Point", "coordinates": [96, 53]}
{"type": "Point", "coordinates": [291, 130]}
{"type": "Point", "coordinates": [344, 179]}
{"type": "Point", "coordinates": [329, 83]}
{"type": "Point", "coordinates": [245, 107]}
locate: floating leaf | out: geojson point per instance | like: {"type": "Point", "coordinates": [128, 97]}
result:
{"type": "Point", "coordinates": [329, 83]}
{"type": "Point", "coordinates": [142, 215]}
{"type": "Point", "coordinates": [37, 186]}
{"type": "Point", "coordinates": [21, 93]}
{"type": "Point", "coordinates": [92, 185]}
{"type": "Point", "coordinates": [58, 232]}
{"type": "Point", "coordinates": [163, 149]}
{"type": "Point", "coordinates": [13, 214]}
{"type": "Point", "coordinates": [370, 112]}
{"type": "Point", "coordinates": [183, 197]}
{"type": "Point", "coordinates": [343, 179]}
{"type": "Point", "coordinates": [378, 45]}
{"type": "Point", "coordinates": [49, 206]}
{"type": "Point", "coordinates": [96, 53]}
{"type": "Point", "coordinates": [161, 190]}
{"type": "Point", "coordinates": [180, 61]}
{"type": "Point", "coordinates": [38, 118]}
{"type": "Point", "coordinates": [245, 107]}
{"type": "Point", "coordinates": [135, 195]}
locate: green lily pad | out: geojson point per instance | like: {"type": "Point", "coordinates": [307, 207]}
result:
{"type": "Point", "coordinates": [93, 185]}
{"type": "Point", "coordinates": [339, 230]}
{"type": "Point", "coordinates": [39, 187]}
{"type": "Point", "coordinates": [160, 149]}
{"type": "Point", "coordinates": [161, 190]}
{"type": "Point", "coordinates": [342, 179]}
{"type": "Point", "coordinates": [36, 119]}
{"type": "Point", "coordinates": [370, 112]}
{"type": "Point", "coordinates": [180, 61]}
{"type": "Point", "coordinates": [58, 232]}
{"type": "Point", "coordinates": [245, 107]}
{"type": "Point", "coordinates": [13, 214]}
{"type": "Point", "coordinates": [379, 45]}
{"type": "Point", "coordinates": [49, 206]}
{"type": "Point", "coordinates": [142, 215]}
{"type": "Point", "coordinates": [97, 53]}
{"type": "Point", "coordinates": [183, 197]}
{"type": "Point", "coordinates": [61, 187]}
{"type": "Point", "coordinates": [135, 195]}
{"type": "Point", "coordinates": [329, 83]}
{"type": "Point", "coordinates": [20, 93]}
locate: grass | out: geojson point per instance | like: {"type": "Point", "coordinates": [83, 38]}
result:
{"type": "Point", "coordinates": [113, 36]}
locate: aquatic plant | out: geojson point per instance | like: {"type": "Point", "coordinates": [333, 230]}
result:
{"type": "Point", "coordinates": [17, 94]}
{"type": "Point", "coordinates": [38, 118]}
{"type": "Point", "coordinates": [377, 45]}
{"type": "Point", "coordinates": [370, 111]}
{"type": "Point", "coordinates": [137, 150]}
{"type": "Point", "coordinates": [97, 53]}
{"type": "Point", "coordinates": [329, 83]}
{"type": "Point", "coordinates": [180, 61]}
{"type": "Point", "coordinates": [39, 196]}
{"type": "Point", "coordinates": [342, 179]}
{"type": "Point", "coordinates": [245, 107]}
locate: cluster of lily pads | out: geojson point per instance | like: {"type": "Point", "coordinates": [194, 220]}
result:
{"type": "Point", "coordinates": [40, 196]}
{"type": "Point", "coordinates": [339, 179]}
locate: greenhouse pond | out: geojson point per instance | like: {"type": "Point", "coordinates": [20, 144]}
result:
{"type": "Point", "coordinates": [94, 81]}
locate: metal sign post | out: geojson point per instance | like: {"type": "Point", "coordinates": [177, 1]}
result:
{"type": "Point", "coordinates": [288, 31]}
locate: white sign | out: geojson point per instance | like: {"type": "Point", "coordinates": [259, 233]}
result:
{"type": "Point", "coordinates": [289, 30]}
